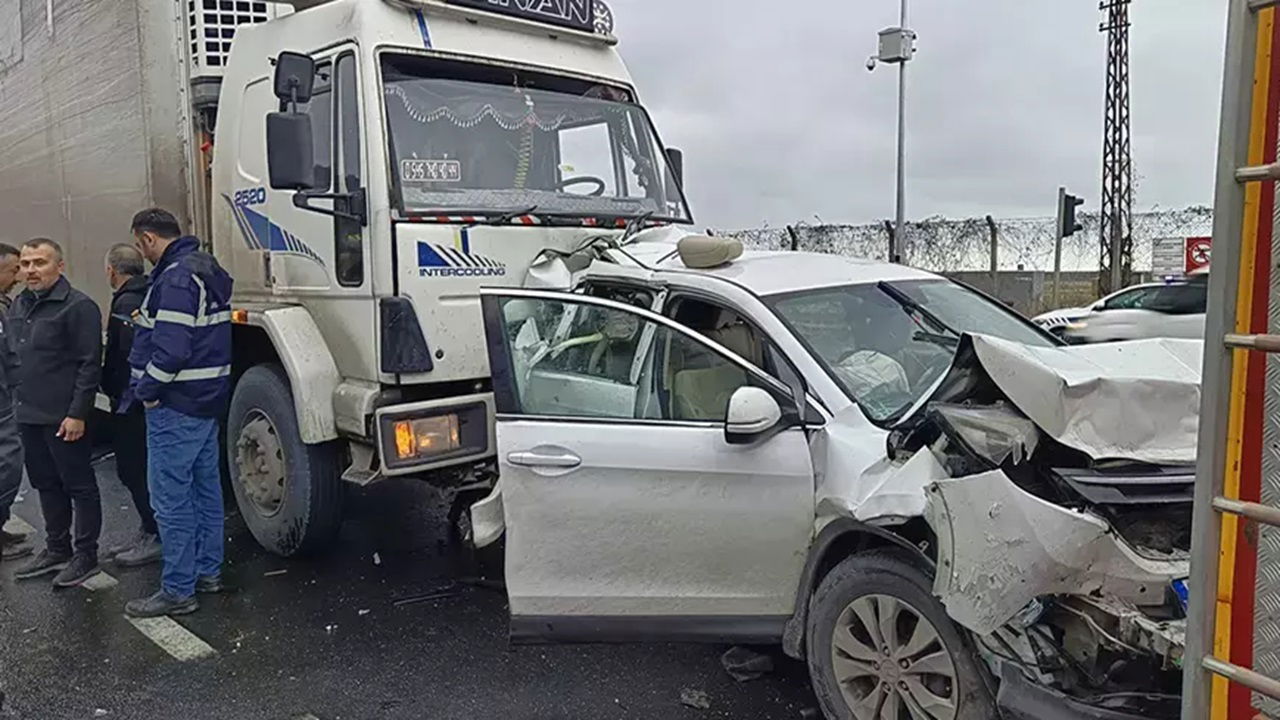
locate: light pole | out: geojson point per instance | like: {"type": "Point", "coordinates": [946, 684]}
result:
{"type": "Point", "coordinates": [898, 46]}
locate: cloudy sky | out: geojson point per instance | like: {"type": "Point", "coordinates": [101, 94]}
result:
{"type": "Point", "coordinates": [781, 121]}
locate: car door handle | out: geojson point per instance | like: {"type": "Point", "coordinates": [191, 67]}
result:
{"type": "Point", "coordinates": [544, 459]}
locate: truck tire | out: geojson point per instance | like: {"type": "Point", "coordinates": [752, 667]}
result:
{"type": "Point", "coordinates": [289, 493]}
{"type": "Point", "coordinates": [927, 670]}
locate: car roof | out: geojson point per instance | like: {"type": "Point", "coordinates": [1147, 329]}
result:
{"type": "Point", "coordinates": [768, 272]}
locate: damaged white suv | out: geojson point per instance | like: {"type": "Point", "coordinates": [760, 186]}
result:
{"type": "Point", "coordinates": [914, 489]}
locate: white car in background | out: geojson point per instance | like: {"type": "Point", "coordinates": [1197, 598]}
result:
{"type": "Point", "coordinates": [696, 444]}
{"type": "Point", "coordinates": [1170, 310]}
{"type": "Point", "coordinates": [1057, 321]}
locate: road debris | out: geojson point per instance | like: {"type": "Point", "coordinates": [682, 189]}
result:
{"type": "Point", "coordinates": [330, 628]}
{"type": "Point", "coordinates": [445, 592]}
{"type": "Point", "coordinates": [377, 559]}
{"type": "Point", "coordinates": [744, 664]}
{"type": "Point", "coordinates": [273, 573]}
{"type": "Point", "coordinates": [362, 612]}
{"type": "Point", "coordinates": [695, 699]}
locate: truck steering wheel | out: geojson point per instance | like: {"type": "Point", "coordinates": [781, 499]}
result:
{"type": "Point", "coordinates": [567, 183]}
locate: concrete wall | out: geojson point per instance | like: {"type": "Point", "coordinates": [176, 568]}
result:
{"type": "Point", "coordinates": [83, 143]}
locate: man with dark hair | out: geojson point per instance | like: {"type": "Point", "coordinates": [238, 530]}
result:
{"type": "Point", "coordinates": [57, 331]}
{"type": "Point", "coordinates": [181, 364]}
{"type": "Point", "coordinates": [12, 545]}
{"type": "Point", "coordinates": [8, 274]}
{"type": "Point", "coordinates": [126, 274]}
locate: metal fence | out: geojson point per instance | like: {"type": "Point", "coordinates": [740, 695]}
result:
{"type": "Point", "coordinates": [941, 244]}
{"type": "Point", "coordinates": [1024, 250]}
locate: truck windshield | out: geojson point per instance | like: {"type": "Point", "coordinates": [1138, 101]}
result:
{"type": "Point", "coordinates": [477, 139]}
{"type": "Point", "coordinates": [886, 344]}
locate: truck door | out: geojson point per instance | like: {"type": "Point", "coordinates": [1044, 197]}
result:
{"type": "Point", "coordinates": [313, 251]}
{"type": "Point", "coordinates": [318, 259]}
{"type": "Point", "coordinates": [629, 513]}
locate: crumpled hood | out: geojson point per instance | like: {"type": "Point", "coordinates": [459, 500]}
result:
{"type": "Point", "coordinates": [1137, 401]}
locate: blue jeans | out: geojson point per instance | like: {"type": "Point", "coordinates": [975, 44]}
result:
{"type": "Point", "coordinates": [186, 494]}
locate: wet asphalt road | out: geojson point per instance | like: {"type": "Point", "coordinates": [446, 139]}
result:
{"type": "Point", "coordinates": [325, 638]}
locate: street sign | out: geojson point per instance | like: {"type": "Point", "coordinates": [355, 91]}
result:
{"type": "Point", "coordinates": [1168, 257]}
{"type": "Point", "coordinates": [1198, 252]}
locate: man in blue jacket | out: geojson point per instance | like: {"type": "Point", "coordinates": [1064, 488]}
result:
{"type": "Point", "coordinates": [181, 373]}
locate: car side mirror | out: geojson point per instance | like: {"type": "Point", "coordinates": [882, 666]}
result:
{"type": "Point", "coordinates": [753, 415]}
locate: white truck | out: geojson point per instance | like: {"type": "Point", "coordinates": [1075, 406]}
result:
{"type": "Point", "coordinates": [361, 167]}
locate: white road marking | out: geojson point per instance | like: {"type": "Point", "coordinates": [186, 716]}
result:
{"type": "Point", "coordinates": [174, 639]}
{"type": "Point", "coordinates": [20, 526]}
{"type": "Point", "coordinates": [99, 582]}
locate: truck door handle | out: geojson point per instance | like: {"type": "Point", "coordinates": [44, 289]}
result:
{"type": "Point", "coordinates": [545, 459]}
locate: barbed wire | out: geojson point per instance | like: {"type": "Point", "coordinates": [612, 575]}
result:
{"type": "Point", "coordinates": [943, 244]}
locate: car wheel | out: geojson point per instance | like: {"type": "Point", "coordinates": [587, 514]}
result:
{"type": "Point", "coordinates": [881, 647]}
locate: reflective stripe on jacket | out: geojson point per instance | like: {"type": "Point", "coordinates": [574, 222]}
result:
{"type": "Point", "coordinates": [181, 353]}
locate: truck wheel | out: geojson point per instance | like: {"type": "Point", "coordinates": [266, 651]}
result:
{"type": "Point", "coordinates": [289, 493]}
{"type": "Point", "coordinates": [881, 647]}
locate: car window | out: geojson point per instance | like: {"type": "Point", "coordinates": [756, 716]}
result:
{"type": "Point", "coordinates": [1130, 299]}
{"type": "Point", "coordinates": [1180, 299]}
{"type": "Point", "coordinates": [574, 359]}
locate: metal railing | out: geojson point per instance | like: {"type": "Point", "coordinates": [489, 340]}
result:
{"type": "Point", "coordinates": [1236, 168]}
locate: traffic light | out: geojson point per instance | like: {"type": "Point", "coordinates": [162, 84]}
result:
{"type": "Point", "coordinates": [1067, 205]}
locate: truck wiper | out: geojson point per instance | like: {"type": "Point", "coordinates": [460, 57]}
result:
{"type": "Point", "coordinates": [947, 341]}
{"type": "Point", "coordinates": [911, 306]}
{"type": "Point", "coordinates": [634, 225]}
{"type": "Point", "coordinates": [506, 217]}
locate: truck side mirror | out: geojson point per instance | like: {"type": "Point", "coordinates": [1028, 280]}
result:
{"type": "Point", "coordinates": [675, 161]}
{"type": "Point", "coordinates": [295, 78]}
{"type": "Point", "coordinates": [290, 155]}
{"type": "Point", "coordinates": [290, 160]}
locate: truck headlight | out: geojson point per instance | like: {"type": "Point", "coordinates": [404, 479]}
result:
{"type": "Point", "coordinates": [429, 436]}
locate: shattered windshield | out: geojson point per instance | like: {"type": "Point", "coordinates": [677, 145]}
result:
{"type": "Point", "coordinates": [886, 344]}
{"type": "Point", "coordinates": [467, 139]}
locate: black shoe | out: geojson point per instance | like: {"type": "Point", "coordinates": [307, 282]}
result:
{"type": "Point", "coordinates": [209, 585]}
{"type": "Point", "coordinates": [160, 605]}
{"type": "Point", "coordinates": [45, 563]}
{"type": "Point", "coordinates": [81, 568]}
{"type": "Point", "coordinates": [14, 546]}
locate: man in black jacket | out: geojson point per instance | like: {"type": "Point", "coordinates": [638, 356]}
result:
{"type": "Point", "coordinates": [57, 331]}
{"type": "Point", "coordinates": [126, 274]}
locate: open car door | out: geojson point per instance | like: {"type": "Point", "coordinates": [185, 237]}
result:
{"type": "Point", "coordinates": [653, 484]}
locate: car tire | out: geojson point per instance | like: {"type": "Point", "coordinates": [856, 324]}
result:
{"type": "Point", "coordinates": [930, 663]}
{"type": "Point", "coordinates": [289, 493]}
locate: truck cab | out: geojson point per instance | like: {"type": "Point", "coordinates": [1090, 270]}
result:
{"type": "Point", "coordinates": [375, 164]}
